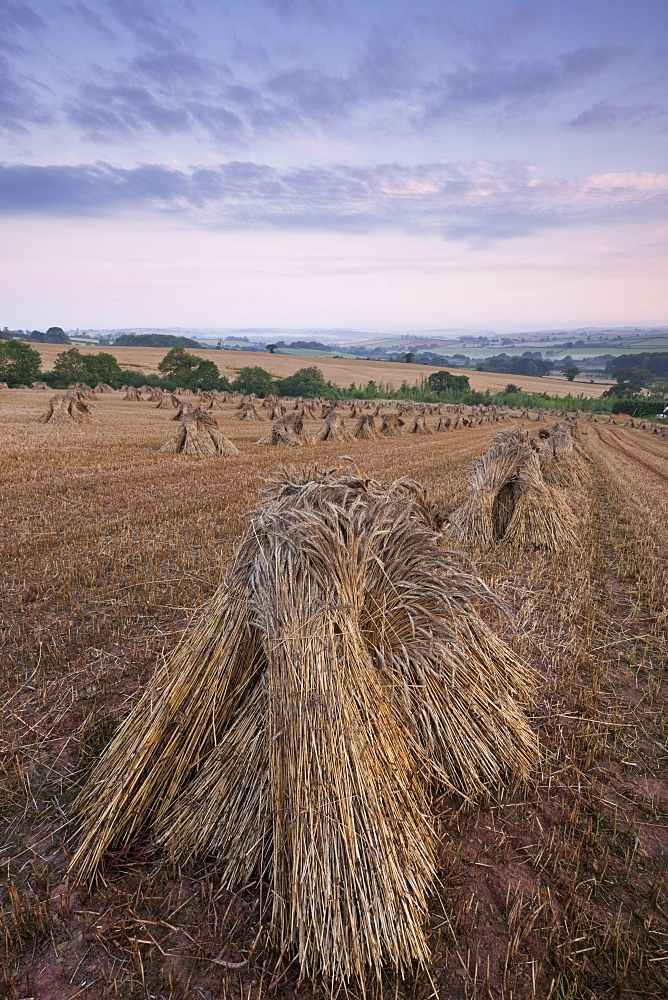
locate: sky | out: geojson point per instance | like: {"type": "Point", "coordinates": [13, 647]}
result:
{"type": "Point", "coordinates": [376, 164]}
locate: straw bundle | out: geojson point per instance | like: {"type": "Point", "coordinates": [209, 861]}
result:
{"type": "Point", "coordinates": [332, 429]}
{"type": "Point", "coordinates": [4, 385]}
{"type": "Point", "coordinates": [82, 390]}
{"type": "Point", "coordinates": [67, 409]}
{"type": "Point", "coordinates": [247, 411]}
{"type": "Point", "coordinates": [365, 428]}
{"type": "Point", "coordinates": [444, 424]}
{"type": "Point", "coordinates": [483, 517]}
{"type": "Point", "coordinates": [509, 500]}
{"type": "Point", "coordinates": [169, 400]}
{"type": "Point", "coordinates": [39, 385]}
{"type": "Point", "coordinates": [541, 518]}
{"type": "Point", "coordinates": [288, 430]}
{"type": "Point", "coordinates": [560, 463]}
{"type": "Point", "coordinates": [198, 434]}
{"type": "Point", "coordinates": [419, 425]}
{"type": "Point", "coordinates": [103, 387]}
{"type": "Point", "coordinates": [391, 425]}
{"type": "Point", "coordinates": [295, 731]}
{"type": "Point", "coordinates": [183, 406]}
{"type": "Point", "coordinates": [132, 395]}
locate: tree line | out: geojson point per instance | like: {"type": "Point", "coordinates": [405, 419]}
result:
{"type": "Point", "coordinates": [20, 364]}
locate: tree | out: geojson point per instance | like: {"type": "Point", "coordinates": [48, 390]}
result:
{"type": "Point", "coordinates": [474, 398]}
{"type": "Point", "coordinates": [154, 340]}
{"type": "Point", "coordinates": [103, 367]}
{"type": "Point", "coordinates": [623, 389]}
{"type": "Point", "coordinates": [73, 366]}
{"type": "Point", "coordinates": [654, 361]}
{"type": "Point", "coordinates": [69, 367]}
{"type": "Point", "coordinates": [511, 387]}
{"type": "Point", "coordinates": [409, 358]}
{"type": "Point", "coordinates": [181, 368]}
{"type": "Point", "coordinates": [206, 376]}
{"type": "Point", "coordinates": [444, 380]}
{"type": "Point", "coordinates": [571, 372]}
{"type": "Point", "coordinates": [20, 364]}
{"type": "Point", "coordinates": [637, 374]}
{"type": "Point", "coordinates": [177, 362]}
{"type": "Point", "coordinates": [307, 382]}
{"type": "Point", "coordinates": [56, 335]}
{"type": "Point", "coordinates": [254, 379]}
{"type": "Point", "coordinates": [272, 348]}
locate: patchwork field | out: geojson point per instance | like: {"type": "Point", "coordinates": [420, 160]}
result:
{"type": "Point", "coordinates": [341, 371]}
{"type": "Point", "coordinates": [552, 890]}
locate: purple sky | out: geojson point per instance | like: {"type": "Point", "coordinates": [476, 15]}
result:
{"type": "Point", "coordinates": [366, 163]}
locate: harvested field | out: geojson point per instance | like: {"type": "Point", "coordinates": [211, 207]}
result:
{"type": "Point", "coordinates": [341, 371]}
{"type": "Point", "coordinates": [553, 889]}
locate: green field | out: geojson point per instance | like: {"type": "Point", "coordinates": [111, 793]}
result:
{"type": "Point", "coordinates": [550, 347]}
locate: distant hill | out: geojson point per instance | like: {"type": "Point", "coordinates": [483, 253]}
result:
{"type": "Point", "coordinates": [154, 340]}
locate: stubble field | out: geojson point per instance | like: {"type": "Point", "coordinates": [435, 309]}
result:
{"type": "Point", "coordinates": [109, 548]}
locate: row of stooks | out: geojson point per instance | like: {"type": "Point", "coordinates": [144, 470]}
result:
{"type": "Point", "coordinates": [199, 434]}
{"type": "Point", "coordinates": [73, 407]}
{"type": "Point", "coordinates": [661, 430]}
{"type": "Point", "coordinates": [339, 679]}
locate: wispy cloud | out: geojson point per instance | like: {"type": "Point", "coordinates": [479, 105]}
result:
{"type": "Point", "coordinates": [160, 73]}
{"type": "Point", "coordinates": [606, 117]}
{"type": "Point", "coordinates": [516, 84]}
{"type": "Point", "coordinates": [478, 203]}
{"type": "Point", "coordinates": [17, 16]}
{"type": "Point", "coordinates": [21, 104]}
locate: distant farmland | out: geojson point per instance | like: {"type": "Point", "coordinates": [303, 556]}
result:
{"type": "Point", "coordinates": [341, 371]}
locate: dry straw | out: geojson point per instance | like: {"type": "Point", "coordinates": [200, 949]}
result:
{"type": "Point", "coordinates": [82, 390]}
{"type": "Point", "coordinates": [541, 518]}
{"type": "Point", "coordinates": [67, 409]}
{"type": "Point", "coordinates": [483, 517]}
{"type": "Point", "coordinates": [168, 401]}
{"type": "Point", "coordinates": [287, 430]}
{"type": "Point", "coordinates": [198, 434]}
{"type": "Point", "coordinates": [561, 460]}
{"type": "Point", "coordinates": [248, 413]}
{"type": "Point", "coordinates": [332, 429]}
{"type": "Point", "coordinates": [297, 731]}
{"type": "Point", "coordinates": [419, 425]}
{"type": "Point", "coordinates": [510, 501]}
{"type": "Point", "coordinates": [390, 425]}
{"type": "Point", "coordinates": [365, 428]}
